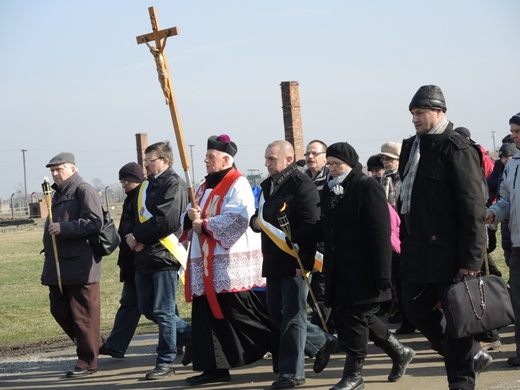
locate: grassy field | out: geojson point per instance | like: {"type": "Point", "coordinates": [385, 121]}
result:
{"type": "Point", "coordinates": [24, 302]}
{"type": "Point", "coordinates": [24, 305]}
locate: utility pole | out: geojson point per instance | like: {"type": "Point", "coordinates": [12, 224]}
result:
{"type": "Point", "coordinates": [106, 196]}
{"type": "Point", "coordinates": [493, 135]}
{"type": "Point", "coordinates": [24, 179]}
{"type": "Point", "coordinates": [192, 166]}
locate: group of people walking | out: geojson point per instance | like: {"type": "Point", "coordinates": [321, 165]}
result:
{"type": "Point", "coordinates": [327, 231]}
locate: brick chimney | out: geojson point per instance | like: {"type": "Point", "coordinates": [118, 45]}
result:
{"type": "Point", "coordinates": [141, 140]}
{"type": "Point", "coordinates": [292, 118]}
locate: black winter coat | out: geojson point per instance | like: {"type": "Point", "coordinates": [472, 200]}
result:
{"type": "Point", "coordinates": [446, 231]}
{"type": "Point", "coordinates": [166, 199]}
{"type": "Point", "coordinates": [301, 197]}
{"type": "Point", "coordinates": [356, 232]}
{"type": "Point", "coordinates": [125, 259]}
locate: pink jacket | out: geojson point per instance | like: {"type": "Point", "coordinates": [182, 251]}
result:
{"type": "Point", "coordinates": [395, 222]}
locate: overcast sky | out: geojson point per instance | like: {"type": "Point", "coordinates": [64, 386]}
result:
{"type": "Point", "coordinates": [72, 77]}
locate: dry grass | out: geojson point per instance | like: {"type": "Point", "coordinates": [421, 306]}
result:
{"type": "Point", "coordinates": [24, 304]}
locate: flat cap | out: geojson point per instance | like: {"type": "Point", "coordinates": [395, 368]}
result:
{"type": "Point", "coordinates": [62, 158]}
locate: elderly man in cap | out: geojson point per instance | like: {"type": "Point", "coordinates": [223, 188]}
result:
{"type": "Point", "coordinates": [230, 325]}
{"type": "Point", "coordinates": [442, 232]}
{"type": "Point", "coordinates": [391, 181]}
{"type": "Point", "coordinates": [77, 214]}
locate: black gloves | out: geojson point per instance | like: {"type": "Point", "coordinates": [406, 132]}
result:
{"type": "Point", "coordinates": [492, 238]}
{"type": "Point", "coordinates": [383, 284]}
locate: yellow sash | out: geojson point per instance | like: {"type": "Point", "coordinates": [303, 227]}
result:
{"type": "Point", "coordinates": [171, 242]}
{"type": "Point", "coordinates": [278, 237]}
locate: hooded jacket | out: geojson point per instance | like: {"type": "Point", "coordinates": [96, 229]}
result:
{"type": "Point", "coordinates": [508, 206]}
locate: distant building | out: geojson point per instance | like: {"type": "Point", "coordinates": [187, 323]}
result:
{"type": "Point", "coordinates": [254, 177]}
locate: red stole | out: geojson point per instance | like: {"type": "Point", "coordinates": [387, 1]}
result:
{"type": "Point", "coordinates": [207, 243]}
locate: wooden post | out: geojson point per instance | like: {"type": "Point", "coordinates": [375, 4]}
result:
{"type": "Point", "coordinates": [159, 37]}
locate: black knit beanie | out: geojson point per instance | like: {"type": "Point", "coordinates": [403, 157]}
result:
{"type": "Point", "coordinates": [507, 150]}
{"type": "Point", "coordinates": [344, 152]}
{"type": "Point", "coordinates": [374, 162]}
{"type": "Point", "coordinates": [131, 172]}
{"type": "Point", "coordinates": [515, 119]}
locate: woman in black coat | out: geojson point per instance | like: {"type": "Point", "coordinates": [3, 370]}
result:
{"type": "Point", "coordinates": [355, 227]}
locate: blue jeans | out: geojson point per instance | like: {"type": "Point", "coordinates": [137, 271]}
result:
{"type": "Point", "coordinates": [156, 299]}
{"type": "Point", "coordinates": [287, 306]}
{"type": "Point", "coordinates": [183, 331]}
{"type": "Point", "coordinates": [315, 340]}
{"type": "Point", "coordinates": [127, 318]}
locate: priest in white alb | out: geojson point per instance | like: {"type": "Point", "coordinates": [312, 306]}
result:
{"type": "Point", "coordinates": [230, 325]}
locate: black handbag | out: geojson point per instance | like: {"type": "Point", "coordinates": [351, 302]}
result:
{"type": "Point", "coordinates": [107, 239]}
{"type": "Point", "coordinates": [476, 305]}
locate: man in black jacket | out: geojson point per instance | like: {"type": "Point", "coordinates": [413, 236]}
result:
{"type": "Point", "coordinates": [160, 202]}
{"type": "Point", "coordinates": [290, 190]}
{"type": "Point", "coordinates": [443, 234]}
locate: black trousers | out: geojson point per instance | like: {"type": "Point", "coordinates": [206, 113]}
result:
{"type": "Point", "coordinates": [78, 311]}
{"type": "Point", "coordinates": [358, 324]}
{"type": "Point", "coordinates": [419, 301]}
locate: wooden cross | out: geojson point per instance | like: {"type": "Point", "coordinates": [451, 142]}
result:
{"type": "Point", "coordinates": [159, 37]}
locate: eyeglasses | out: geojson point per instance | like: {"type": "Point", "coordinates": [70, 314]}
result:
{"type": "Point", "coordinates": [386, 158]}
{"type": "Point", "coordinates": [313, 154]}
{"type": "Point", "coordinates": [149, 160]}
{"type": "Point", "coordinates": [334, 164]}
{"type": "Point", "coordinates": [123, 182]}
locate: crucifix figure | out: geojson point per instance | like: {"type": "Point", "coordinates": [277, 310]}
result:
{"type": "Point", "coordinates": [161, 70]}
{"type": "Point", "coordinates": [159, 37]}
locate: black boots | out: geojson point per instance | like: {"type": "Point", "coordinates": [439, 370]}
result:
{"type": "Point", "coordinates": [351, 379]}
{"type": "Point", "coordinates": [399, 354]}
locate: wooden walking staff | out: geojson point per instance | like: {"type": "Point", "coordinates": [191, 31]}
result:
{"type": "Point", "coordinates": [283, 221]}
{"type": "Point", "coordinates": [159, 37]}
{"type": "Point", "coordinates": [47, 194]}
